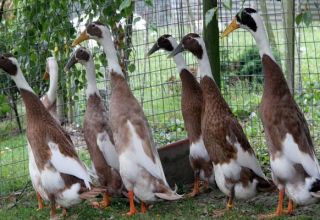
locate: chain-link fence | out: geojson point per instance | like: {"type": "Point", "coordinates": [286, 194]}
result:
{"type": "Point", "coordinates": [154, 80]}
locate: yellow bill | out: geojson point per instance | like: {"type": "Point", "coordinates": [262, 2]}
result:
{"type": "Point", "coordinates": [232, 26]}
{"type": "Point", "coordinates": [46, 76]}
{"type": "Point", "coordinates": [83, 36]}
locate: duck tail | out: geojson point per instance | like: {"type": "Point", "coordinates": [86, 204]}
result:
{"type": "Point", "coordinates": [95, 191]}
{"type": "Point", "coordinates": [315, 188]}
{"type": "Point", "coordinates": [168, 194]}
{"type": "Point", "coordinates": [265, 185]}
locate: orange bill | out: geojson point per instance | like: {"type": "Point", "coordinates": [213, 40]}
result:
{"type": "Point", "coordinates": [46, 76]}
{"type": "Point", "coordinates": [232, 26]}
{"type": "Point", "coordinates": [83, 36]}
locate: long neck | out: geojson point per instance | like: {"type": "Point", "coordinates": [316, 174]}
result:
{"type": "Point", "coordinates": [91, 78]}
{"type": "Point", "coordinates": [21, 81]}
{"type": "Point", "coordinates": [52, 92]}
{"type": "Point", "coordinates": [204, 65]}
{"type": "Point", "coordinates": [262, 41]}
{"type": "Point", "coordinates": [178, 58]}
{"type": "Point", "coordinates": [111, 53]}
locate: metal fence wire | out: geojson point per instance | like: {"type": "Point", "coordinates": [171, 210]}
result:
{"type": "Point", "coordinates": [155, 81]}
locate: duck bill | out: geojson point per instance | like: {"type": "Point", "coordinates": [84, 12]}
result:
{"type": "Point", "coordinates": [46, 76]}
{"type": "Point", "coordinates": [232, 26]}
{"type": "Point", "coordinates": [154, 48]}
{"type": "Point", "coordinates": [71, 62]}
{"type": "Point", "coordinates": [177, 50]}
{"type": "Point", "coordinates": [83, 36]}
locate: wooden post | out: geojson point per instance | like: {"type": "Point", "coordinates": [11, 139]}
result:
{"type": "Point", "coordinates": [211, 39]}
{"type": "Point", "coordinates": [288, 23]}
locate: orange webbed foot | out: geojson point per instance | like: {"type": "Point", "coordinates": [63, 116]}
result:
{"type": "Point", "coordinates": [40, 202]}
{"type": "Point", "coordinates": [144, 207]}
{"type": "Point", "coordinates": [196, 188]}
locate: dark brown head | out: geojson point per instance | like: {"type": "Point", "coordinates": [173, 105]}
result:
{"type": "Point", "coordinates": [191, 42]}
{"type": "Point", "coordinates": [165, 42]}
{"type": "Point", "coordinates": [246, 18]}
{"type": "Point", "coordinates": [9, 64]}
{"type": "Point", "coordinates": [81, 55]}
{"type": "Point", "coordinates": [94, 30]}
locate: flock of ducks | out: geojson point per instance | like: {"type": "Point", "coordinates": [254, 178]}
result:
{"type": "Point", "coordinates": [123, 152]}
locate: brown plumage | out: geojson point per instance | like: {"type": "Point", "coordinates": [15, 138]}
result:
{"type": "Point", "coordinates": [97, 131]}
{"type": "Point", "coordinates": [191, 107]}
{"type": "Point", "coordinates": [236, 168]}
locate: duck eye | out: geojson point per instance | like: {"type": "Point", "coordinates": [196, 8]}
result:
{"type": "Point", "coordinates": [2, 57]}
{"type": "Point", "coordinates": [93, 25]}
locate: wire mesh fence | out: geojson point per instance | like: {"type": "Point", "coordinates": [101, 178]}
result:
{"type": "Point", "coordinates": [154, 80]}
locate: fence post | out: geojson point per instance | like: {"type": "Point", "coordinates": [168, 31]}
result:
{"type": "Point", "coordinates": [288, 23]}
{"type": "Point", "coordinates": [211, 39]}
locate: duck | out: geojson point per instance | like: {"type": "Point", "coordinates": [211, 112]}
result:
{"type": "Point", "coordinates": [191, 107]}
{"type": "Point", "coordinates": [295, 168]}
{"type": "Point", "coordinates": [49, 101]}
{"type": "Point", "coordinates": [97, 132]}
{"type": "Point", "coordinates": [236, 168]}
{"type": "Point", "coordinates": [140, 166]}
{"type": "Point", "coordinates": [64, 177]}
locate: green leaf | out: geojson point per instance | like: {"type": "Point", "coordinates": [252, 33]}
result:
{"type": "Point", "coordinates": [136, 19]}
{"type": "Point", "coordinates": [307, 18]}
{"type": "Point", "coordinates": [299, 18]}
{"type": "Point", "coordinates": [149, 2]}
{"type": "Point", "coordinates": [227, 4]}
{"type": "Point", "coordinates": [125, 4]}
{"type": "Point", "coordinates": [131, 68]}
{"type": "Point", "coordinates": [153, 27]}
{"type": "Point", "coordinates": [210, 14]}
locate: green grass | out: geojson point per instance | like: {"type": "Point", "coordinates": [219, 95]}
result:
{"type": "Point", "coordinates": [204, 206]}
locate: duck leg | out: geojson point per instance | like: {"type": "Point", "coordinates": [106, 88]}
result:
{"type": "Point", "coordinates": [290, 207]}
{"type": "Point", "coordinates": [279, 210]}
{"type": "Point", "coordinates": [53, 210]}
{"type": "Point", "coordinates": [196, 184]}
{"type": "Point", "coordinates": [144, 207]}
{"type": "Point", "coordinates": [131, 200]}
{"type": "Point", "coordinates": [40, 201]}
{"type": "Point", "coordinates": [230, 200]}
{"type": "Point", "coordinates": [229, 207]}
{"type": "Point", "coordinates": [64, 212]}
{"type": "Point", "coordinates": [103, 204]}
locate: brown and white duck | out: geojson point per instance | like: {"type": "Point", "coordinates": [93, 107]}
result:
{"type": "Point", "coordinates": [191, 107]}
{"type": "Point", "coordinates": [97, 131]}
{"type": "Point", "coordinates": [295, 168]}
{"type": "Point", "coordinates": [140, 166]}
{"type": "Point", "coordinates": [64, 178]}
{"type": "Point", "coordinates": [49, 101]}
{"type": "Point", "coordinates": [237, 171]}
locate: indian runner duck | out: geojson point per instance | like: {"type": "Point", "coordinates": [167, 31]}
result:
{"type": "Point", "coordinates": [295, 168]}
{"type": "Point", "coordinates": [97, 132]}
{"type": "Point", "coordinates": [191, 107]}
{"type": "Point", "coordinates": [140, 166]}
{"type": "Point", "coordinates": [63, 176]}
{"type": "Point", "coordinates": [236, 168]}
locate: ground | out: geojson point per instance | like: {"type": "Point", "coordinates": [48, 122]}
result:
{"type": "Point", "coordinates": [202, 207]}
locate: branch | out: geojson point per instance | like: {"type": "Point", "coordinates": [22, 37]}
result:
{"type": "Point", "coordinates": [2, 10]}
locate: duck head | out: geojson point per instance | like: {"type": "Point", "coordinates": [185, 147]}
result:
{"type": "Point", "coordinates": [246, 18]}
{"type": "Point", "coordinates": [95, 30]}
{"type": "Point", "coordinates": [81, 55]}
{"type": "Point", "coordinates": [191, 42]}
{"type": "Point", "coordinates": [9, 64]}
{"type": "Point", "coordinates": [165, 42]}
{"type": "Point", "coordinates": [51, 68]}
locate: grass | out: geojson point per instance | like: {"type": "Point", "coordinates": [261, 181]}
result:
{"type": "Point", "coordinates": [204, 206]}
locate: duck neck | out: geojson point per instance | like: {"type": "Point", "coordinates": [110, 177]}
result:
{"type": "Point", "coordinates": [91, 78]}
{"type": "Point", "coordinates": [21, 81]}
{"type": "Point", "coordinates": [204, 66]}
{"type": "Point", "coordinates": [178, 58]}
{"type": "Point", "coordinates": [52, 92]}
{"type": "Point", "coordinates": [111, 53]}
{"type": "Point", "coordinates": [262, 41]}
